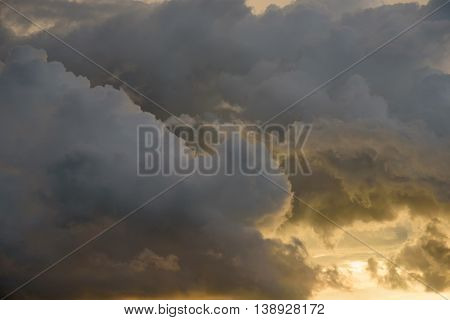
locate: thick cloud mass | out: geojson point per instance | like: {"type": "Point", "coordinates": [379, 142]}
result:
{"type": "Point", "coordinates": [193, 55]}
{"type": "Point", "coordinates": [371, 172]}
{"type": "Point", "coordinates": [379, 145]}
{"type": "Point", "coordinates": [68, 169]}
{"type": "Point", "coordinates": [216, 60]}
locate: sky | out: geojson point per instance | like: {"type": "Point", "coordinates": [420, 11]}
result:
{"type": "Point", "coordinates": [378, 150]}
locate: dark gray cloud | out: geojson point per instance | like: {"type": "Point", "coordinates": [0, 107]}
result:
{"type": "Point", "coordinates": [68, 169]}
{"type": "Point", "coordinates": [193, 55]}
{"type": "Point", "coordinates": [379, 145]}
{"type": "Point", "coordinates": [55, 13]}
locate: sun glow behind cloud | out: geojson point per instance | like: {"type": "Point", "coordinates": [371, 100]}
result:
{"type": "Point", "coordinates": [380, 156]}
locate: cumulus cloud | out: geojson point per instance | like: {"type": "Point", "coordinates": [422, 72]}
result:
{"type": "Point", "coordinates": [68, 170]}
{"type": "Point", "coordinates": [194, 55]}
{"type": "Point", "coordinates": [379, 144]}
{"type": "Point", "coordinates": [368, 171]}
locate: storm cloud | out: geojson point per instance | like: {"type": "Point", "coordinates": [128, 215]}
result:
{"type": "Point", "coordinates": [69, 170]}
{"type": "Point", "coordinates": [379, 145]}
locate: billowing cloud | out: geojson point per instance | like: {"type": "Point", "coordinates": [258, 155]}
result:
{"type": "Point", "coordinates": [379, 144]}
{"type": "Point", "coordinates": [372, 171]}
{"type": "Point", "coordinates": [194, 55]}
{"type": "Point", "coordinates": [68, 170]}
